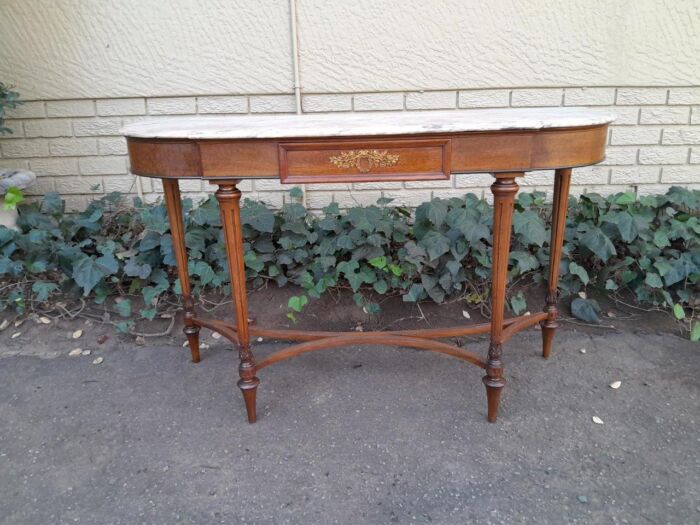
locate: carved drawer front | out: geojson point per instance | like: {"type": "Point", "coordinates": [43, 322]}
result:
{"type": "Point", "coordinates": [364, 160]}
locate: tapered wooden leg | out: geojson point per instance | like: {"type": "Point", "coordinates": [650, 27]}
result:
{"type": "Point", "coordinates": [192, 334]}
{"type": "Point", "coordinates": [229, 198]}
{"type": "Point", "coordinates": [173, 203]}
{"type": "Point", "coordinates": [493, 397]}
{"type": "Point", "coordinates": [504, 190]}
{"type": "Point", "coordinates": [562, 182]}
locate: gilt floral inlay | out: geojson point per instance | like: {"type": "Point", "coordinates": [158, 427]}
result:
{"type": "Point", "coordinates": [364, 159]}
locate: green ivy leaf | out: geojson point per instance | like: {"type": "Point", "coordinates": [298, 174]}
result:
{"type": "Point", "coordinates": [43, 289]}
{"type": "Point", "coordinates": [345, 242]}
{"type": "Point", "coordinates": [435, 244]}
{"type": "Point", "coordinates": [530, 226]}
{"type": "Point", "coordinates": [586, 310]}
{"type": "Point", "coordinates": [52, 204]}
{"type": "Point", "coordinates": [379, 262]}
{"type": "Point", "coordinates": [579, 271]}
{"type": "Point", "coordinates": [596, 241]}
{"type": "Point", "coordinates": [360, 218]}
{"type": "Point", "coordinates": [415, 292]}
{"type": "Point", "coordinates": [380, 286]}
{"type": "Point", "coordinates": [695, 332]}
{"type": "Point", "coordinates": [149, 241]}
{"type": "Point", "coordinates": [673, 271]}
{"type": "Point", "coordinates": [624, 222]}
{"type": "Point", "coordinates": [87, 272]}
{"type": "Point", "coordinates": [625, 199]}
{"type": "Point", "coordinates": [13, 196]}
{"type": "Point", "coordinates": [123, 307]}
{"type": "Point", "coordinates": [610, 285]}
{"type": "Point", "coordinates": [661, 239]}
{"type": "Point", "coordinates": [436, 212]}
{"type": "Point", "coordinates": [678, 311]}
{"type": "Point", "coordinates": [133, 269]}
{"type": "Point", "coordinates": [204, 271]}
{"type": "Point", "coordinates": [518, 303]}
{"type": "Point", "coordinates": [36, 266]}
{"type": "Point", "coordinates": [296, 192]}
{"type": "Point", "coordinates": [259, 217]}
{"type": "Point", "coordinates": [108, 263]}
{"type": "Point", "coordinates": [253, 262]}
{"type": "Point", "coordinates": [653, 280]}
{"type": "Point", "coordinates": [371, 308]}
{"type": "Point", "coordinates": [347, 267]}
{"type": "Point", "coordinates": [297, 302]}
{"type": "Point", "coordinates": [473, 231]}
{"type": "Point", "coordinates": [124, 327]}
{"type": "Point", "coordinates": [525, 261]}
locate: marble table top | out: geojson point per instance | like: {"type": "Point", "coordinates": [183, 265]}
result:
{"type": "Point", "coordinates": [369, 123]}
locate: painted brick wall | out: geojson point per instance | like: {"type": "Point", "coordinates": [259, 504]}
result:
{"type": "Point", "coordinates": [75, 149]}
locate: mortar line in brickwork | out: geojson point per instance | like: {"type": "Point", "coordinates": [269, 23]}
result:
{"type": "Point", "coordinates": [291, 93]}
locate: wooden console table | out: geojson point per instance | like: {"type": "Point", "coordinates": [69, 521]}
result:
{"type": "Point", "coordinates": [362, 147]}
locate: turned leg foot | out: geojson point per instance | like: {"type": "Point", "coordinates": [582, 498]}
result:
{"type": "Point", "coordinates": [548, 328]}
{"type": "Point", "coordinates": [192, 333]}
{"type": "Point", "coordinates": [494, 387]}
{"type": "Point", "coordinates": [249, 387]}
{"type": "Point", "coordinates": [249, 390]}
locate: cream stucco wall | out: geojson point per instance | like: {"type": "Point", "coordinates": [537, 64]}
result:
{"type": "Point", "coordinates": [85, 67]}
{"type": "Point", "coordinates": [417, 44]}
{"type": "Point", "coordinates": [65, 49]}
{"type": "Point", "coordinates": [57, 49]}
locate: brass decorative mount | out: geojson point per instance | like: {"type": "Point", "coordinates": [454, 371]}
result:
{"type": "Point", "coordinates": [364, 159]}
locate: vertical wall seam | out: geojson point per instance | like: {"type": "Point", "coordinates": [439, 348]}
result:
{"type": "Point", "coordinates": [295, 54]}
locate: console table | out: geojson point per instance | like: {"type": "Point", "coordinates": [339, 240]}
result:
{"type": "Point", "coordinates": [363, 147]}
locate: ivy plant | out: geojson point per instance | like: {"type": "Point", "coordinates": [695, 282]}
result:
{"type": "Point", "coordinates": [649, 247]}
{"type": "Point", "coordinates": [8, 99]}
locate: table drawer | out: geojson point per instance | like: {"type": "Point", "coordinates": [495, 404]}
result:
{"type": "Point", "coordinates": [364, 161]}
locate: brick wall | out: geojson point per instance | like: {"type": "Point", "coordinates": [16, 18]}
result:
{"type": "Point", "coordinates": [75, 149]}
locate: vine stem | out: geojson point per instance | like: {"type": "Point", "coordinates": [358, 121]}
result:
{"type": "Point", "coordinates": [423, 315]}
{"type": "Point", "coordinates": [570, 320]}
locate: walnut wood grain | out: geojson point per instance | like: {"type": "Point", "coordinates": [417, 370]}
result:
{"type": "Point", "coordinates": [229, 197]}
{"type": "Point", "coordinates": [173, 203]}
{"type": "Point", "coordinates": [504, 190]}
{"type": "Point", "coordinates": [474, 152]}
{"type": "Point", "coordinates": [301, 162]}
{"type": "Point", "coordinates": [562, 181]}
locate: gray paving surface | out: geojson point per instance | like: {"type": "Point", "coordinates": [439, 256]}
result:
{"type": "Point", "coordinates": [358, 435]}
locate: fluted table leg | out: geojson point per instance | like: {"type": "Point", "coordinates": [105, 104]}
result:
{"type": "Point", "coordinates": [229, 197]}
{"type": "Point", "coordinates": [562, 181]}
{"type": "Point", "coordinates": [173, 203]}
{"type": "Point", "coordinates": [504, 190]}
